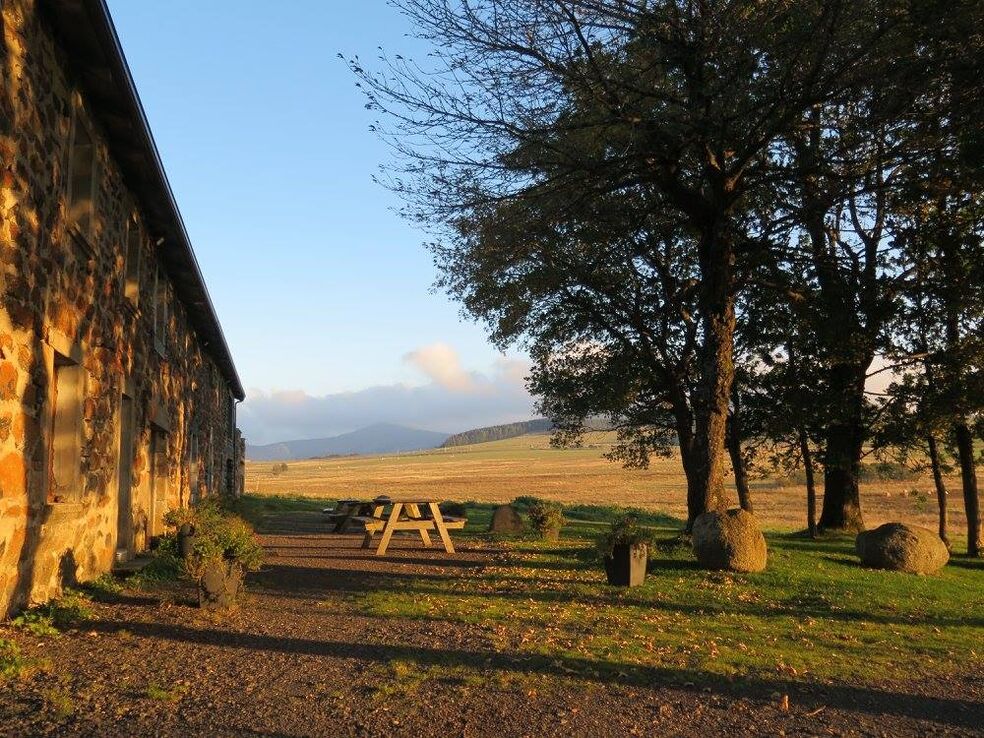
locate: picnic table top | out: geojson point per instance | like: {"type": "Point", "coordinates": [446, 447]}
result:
{"type": "Point", "coordinates": [402, 500]}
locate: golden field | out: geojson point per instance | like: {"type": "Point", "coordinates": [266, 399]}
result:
{"type": "Point", "coordinates": [502, 470]}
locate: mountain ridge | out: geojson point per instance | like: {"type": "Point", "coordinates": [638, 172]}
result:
{"type": "Point", "coordinates": [497, 432]}
{"type": "Point", "coordinates": [378, 438]}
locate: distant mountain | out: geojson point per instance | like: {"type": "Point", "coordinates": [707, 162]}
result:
{"type": "Point", "coordinates": [498, 432]}
{"type": "Point", "coordinates": [382, 438]}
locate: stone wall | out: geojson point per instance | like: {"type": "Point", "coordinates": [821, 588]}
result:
{"type": "Point", "coordinates": [62, 295]}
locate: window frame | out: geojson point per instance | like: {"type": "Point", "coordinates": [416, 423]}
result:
{"type": "Point", "coordinates": [76, 224]}
{"type": "Point", "coordinates": [160, 316]}
{"type": "Point", "coordinates": [132, 253]}
{"type": "Point", "coordinates": [61, 363]}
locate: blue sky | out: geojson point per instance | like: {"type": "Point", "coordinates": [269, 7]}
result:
{"type": "Point", "coordinates": [323, 292]}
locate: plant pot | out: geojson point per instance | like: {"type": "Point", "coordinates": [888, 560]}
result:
{"type": "Point", "coordinates": [219, 585]}
{"type": "Point", "coordinates": [186, 540]}
{"type": "Point", "coordinates": [626, 567]}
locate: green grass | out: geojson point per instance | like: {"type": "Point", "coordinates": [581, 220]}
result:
{"type": "Point", "coordinates": [12, 663]}
{"type": "Point", "coordinates": [165, 694]}
{"type": "Point", "coordinates": [254, 508]}
{"type": "Point", "coordinates": [814, 613]}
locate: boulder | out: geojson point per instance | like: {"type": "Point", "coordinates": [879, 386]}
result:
{"type": "Point", "coordinates": [729, 539]}
{"type": "Point", "coordinates": [901, 547]}
{"type": "Point", "coordinates": [506, 519]}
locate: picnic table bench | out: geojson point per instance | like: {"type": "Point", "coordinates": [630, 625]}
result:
{"type": "Point", "coordinates": [422, 516]}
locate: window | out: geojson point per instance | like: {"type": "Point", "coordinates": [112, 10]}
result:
{"type": "Point", "coordinates": [158, 478]}
{"type": "Point", "coordinates": [82, 178]}
{"type": "Point", "coordinates": [66, 431]}
{"type": "Point", "coordinates": [194, 467]}
{"type": "Point", "coordinates": [131, 270]}
{"type": "Point", "coordinates": [160, 311]}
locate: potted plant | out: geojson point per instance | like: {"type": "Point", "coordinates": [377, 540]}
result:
{"type": "Point", "coordinates": [223, 549]}
{"type": "Point", "coordinates": [625, 552]}
{"type": "Point", "coordinates": [546, 519]}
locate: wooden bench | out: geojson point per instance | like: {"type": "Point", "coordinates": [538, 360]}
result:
{"type": "Point", "coordinates": [369, 523]}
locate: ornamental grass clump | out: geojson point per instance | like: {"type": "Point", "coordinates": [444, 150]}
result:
{"type": "Point", "coordinates": [625, 531]}
{"type": "Point", "coordinates": [546, 519]}
{"type": "Point", "coordinates": [624, 550]}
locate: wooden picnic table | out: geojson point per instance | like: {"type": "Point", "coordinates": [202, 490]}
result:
{"type": "Point", "coordinates": [406, 515]}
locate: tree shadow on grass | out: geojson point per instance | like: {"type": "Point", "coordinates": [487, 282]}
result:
{"type": "Point", "coordinates": [317, 583]}
{"type": "Point", "coordinates": [437, 560]}
{"type": "Point", "coordinates": [873, 700]}
{"type": "Point", "coordinates": [966, 562]}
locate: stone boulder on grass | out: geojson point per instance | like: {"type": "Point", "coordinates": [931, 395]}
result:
{"type": "Point", "coordinates": [902, 547]}
{"type": "Point", "coordinates": [729, 539]}
{"type": "Point", "coordinates": [506, 519]}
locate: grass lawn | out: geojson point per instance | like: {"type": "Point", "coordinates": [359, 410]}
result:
{"type": "Point", "coordinates": [814, 613]}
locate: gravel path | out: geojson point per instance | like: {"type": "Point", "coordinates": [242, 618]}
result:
{"type": "Point", "coordinates": [300, 659]}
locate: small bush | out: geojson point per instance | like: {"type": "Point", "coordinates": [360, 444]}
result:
{"type": "Point", "coordinates": [454, 509]}
{"type": "Point", "coordinates": [524, 502]}
{"type": "Point", "coordinates": [68, 611]}
{"type": "Point", "coordinates": [887, 471]}
{"type": "Point", "coordinates": [165, 566]}
{"type": "Point", "coordinates": [35, 621]}
{"type": "Point", "coordinates": [546, 519]}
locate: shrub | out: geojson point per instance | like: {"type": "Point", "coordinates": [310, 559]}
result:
{"type": "Point", "coordinates": [67, 611]}
{"type": "Point", "coordinates": [104, 589]}
{"type": "Point", "coordinates": [546, 518]}
{"type": "Point", "coordinates": [887, 471]}
{"type": "Point", "coordinates": [165, 566]}
{"type": "Point", "coordinates": [624, 532]}
{"type": "Point", "coordinates": [524, 502]}
{"type": "Point", "coordinates": [454, 509]}
{"type": "Point", "coordinates": [220, 537]}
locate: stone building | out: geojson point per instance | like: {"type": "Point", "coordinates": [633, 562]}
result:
{"type": "Point", "coordinates": [117, 390]}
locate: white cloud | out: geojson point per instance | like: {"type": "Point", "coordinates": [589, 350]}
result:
{"type": "Point", "coordinates": [440, 363]}
{"type": "Point", "coordinates": [453, 400]}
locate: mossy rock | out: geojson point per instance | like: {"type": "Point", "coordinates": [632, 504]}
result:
{"type": "Point", "coordinates": [902, 547]}
{"type": "Point", "coordinates": [730, 540]}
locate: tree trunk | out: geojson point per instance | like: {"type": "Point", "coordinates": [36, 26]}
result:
{"type": "Point", "coordinates": [934, 459]}
{"type": "Point", "coordinates": [811, 485]}
{"type": "Point", "coordinates": [738, 462]}
{"type": "Point", "coordinates": [688, 458]}
{"type": "Point", "coordinates": [717, 371]}
{"type": "Point", "coordinates": [845, 442]}
{"type": "Point", "coordinates": [968, 476]}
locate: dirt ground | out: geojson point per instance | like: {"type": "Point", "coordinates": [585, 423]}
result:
{"type": "Point", "coordinates": [299, 659]}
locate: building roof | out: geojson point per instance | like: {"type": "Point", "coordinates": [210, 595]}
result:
{"type": "Point", "coordinates": [86, 31]}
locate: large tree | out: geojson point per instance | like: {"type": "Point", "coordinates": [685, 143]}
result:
{"type": "Point", "coordinates": [938, 224]}
{"type": "Point", "coordinates": [685, 100]}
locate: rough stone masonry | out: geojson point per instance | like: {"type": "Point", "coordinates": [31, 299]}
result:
{"type": "Point", "coordinates": [117, 392]}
